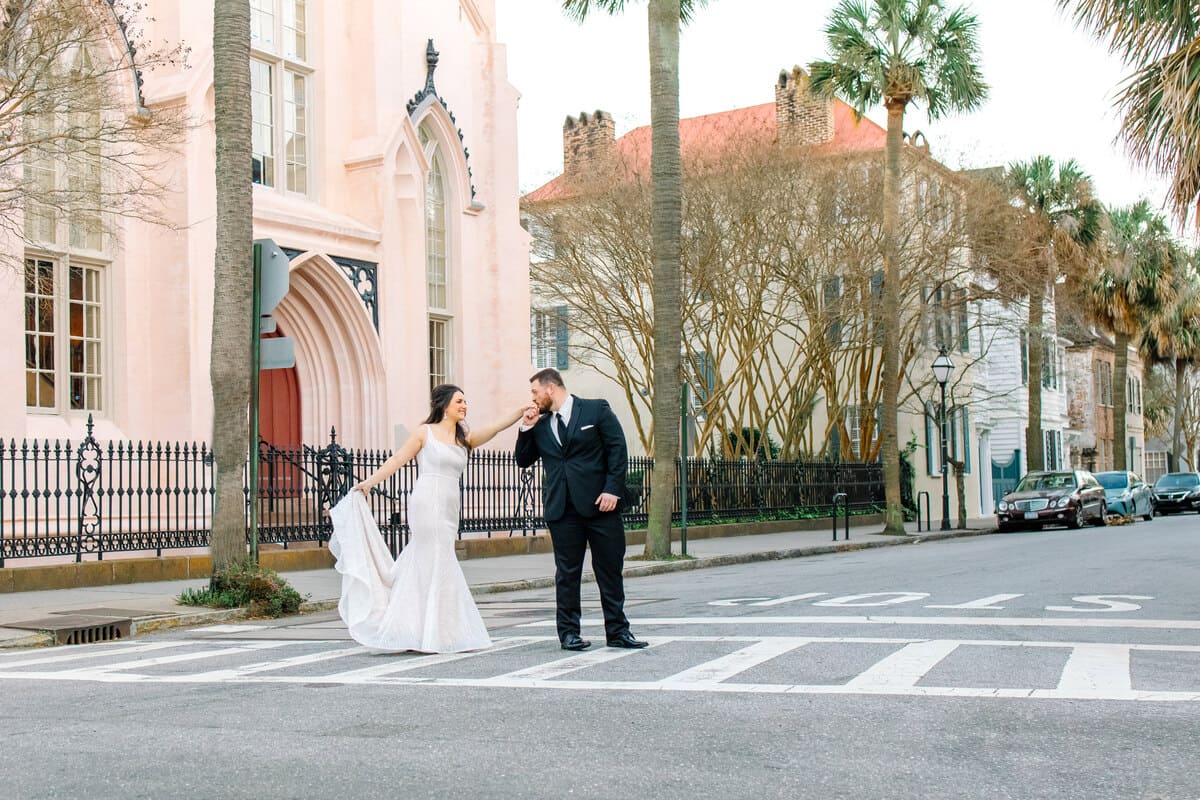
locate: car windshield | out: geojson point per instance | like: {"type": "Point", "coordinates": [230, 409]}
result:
{"type": "Point", "coordinates": [1046, 481]}
{"type": "Point", "coordinates": [1177, 481]}
{"type": "Point", "coordinates": [1113, 480]}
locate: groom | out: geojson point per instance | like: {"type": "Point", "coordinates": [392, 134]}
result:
{"type": "Point", "coordinates": [582, 449]}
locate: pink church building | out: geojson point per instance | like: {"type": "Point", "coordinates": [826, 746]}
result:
{"type": "Point", "coordinates": [385, 166]}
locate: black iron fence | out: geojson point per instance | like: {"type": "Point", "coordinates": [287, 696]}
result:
{"type": "Point", "coordinates": [89, 499]}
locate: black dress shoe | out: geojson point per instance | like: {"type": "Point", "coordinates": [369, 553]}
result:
{"type": "Point", "coordinates": [572, 642]}
{"type": "Point", "coordinates": [626, 640]}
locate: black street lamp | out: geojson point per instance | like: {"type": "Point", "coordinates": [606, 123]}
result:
{"type": "Point", "coordinates": [942, 367]}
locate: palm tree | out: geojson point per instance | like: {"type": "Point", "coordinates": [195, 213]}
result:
{"type": "Point", "coordinates": [664, 18]}
{"type": "Point", "coordinates": [1172, 337]}
{"type": "Point", "coordinates": [232, 277]}
{"type": "Point", "coordinates": [1063, 225]}
{"type": "Point", "coordinates": [1160, 39]}
{"type": "Point", "coordinates": [898, 52]}
{"type": "Point", "coordinates": [1134, 284]}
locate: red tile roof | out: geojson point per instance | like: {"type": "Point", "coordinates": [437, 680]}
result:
{"type": "Point", "coordinates": [712, 134]}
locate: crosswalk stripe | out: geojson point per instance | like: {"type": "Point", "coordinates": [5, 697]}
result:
{"type": "Point", "coordinates": [119, 666]}
{"type": "Point", "coordinates": [401, 663]}
{"type": "Point", "coordinates": [903, 668]}
{"type": "Point", "coordinates": [265, 666]}
{"type": "Point", "coordinates": [1101, 668]}
{"type": "Point", "coordinates": [564, 666]}
{"type": "Point", "coordinates": [86, 652]}
{"type": "Point", "coordinates": [1092, 671]}
{"type": "Point", "coordinates": [727, 666]}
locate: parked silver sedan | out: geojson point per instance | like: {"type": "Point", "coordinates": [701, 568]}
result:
{"type": "Point", "coordinates": [1127, 494]}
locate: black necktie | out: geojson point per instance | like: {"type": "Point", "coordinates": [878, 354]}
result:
{"type": "Point", "coordinates": [562, 430]}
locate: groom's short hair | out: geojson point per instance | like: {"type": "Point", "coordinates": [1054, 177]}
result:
{"type": "Point", "coordinates": [548, 377]}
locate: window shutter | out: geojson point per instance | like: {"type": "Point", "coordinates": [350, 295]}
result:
{"type": "Point", "coordinates": [561, 360]}
{"type": "Point", "coordinates": [929, 439]}
{"type": "Point", "coordinates": [964, 322]}
{"type": "Point", "coordinates": [966, 438]}
{"type": "Point", "coordinates": [1024, 358]}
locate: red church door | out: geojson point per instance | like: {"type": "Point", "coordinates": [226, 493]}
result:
{"type": "Point", "coordinates": [279, 426]}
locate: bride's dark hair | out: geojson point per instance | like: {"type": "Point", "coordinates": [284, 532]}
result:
{"type": "Point", "coordinates": [439, 399]}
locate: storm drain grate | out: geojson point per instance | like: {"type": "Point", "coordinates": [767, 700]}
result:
{"type": "Point", "coordinates": [79, 628]}
{"type": "Point", "coordinates": [104, 632]}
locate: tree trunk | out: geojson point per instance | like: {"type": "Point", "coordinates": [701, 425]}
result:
{"type": "Point", "coordinates": [1120, 401]}
{"type": "Point", "coordinates": [663, 18]}
{"type": "Point", "coordinates": [889, 445]}
{"type": "Point", "coordinates": [1035, 454]}
{"type": "Point", "coordinates": [960, 492]}
{"type": "Point", "coordinates": [232, 277]}
{"type": "Point", "coordinates": [1177, 415]}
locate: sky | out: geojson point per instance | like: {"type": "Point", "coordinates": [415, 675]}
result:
{"type": "Point", "coordinates": [1052, 85]}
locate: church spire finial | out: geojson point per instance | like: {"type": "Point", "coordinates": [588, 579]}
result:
{"type": "Point", "coordinates": [431, 62]}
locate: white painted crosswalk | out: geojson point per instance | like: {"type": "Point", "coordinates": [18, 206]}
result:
{"type": "Point", "coordinates": [787, 665]}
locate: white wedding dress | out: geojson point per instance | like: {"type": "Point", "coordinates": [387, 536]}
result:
{"type": "Point", "coordinates": [421, 600]}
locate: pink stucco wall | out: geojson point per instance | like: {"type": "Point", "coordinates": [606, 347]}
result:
{"type": "Point", "coordinates": [365, 202]}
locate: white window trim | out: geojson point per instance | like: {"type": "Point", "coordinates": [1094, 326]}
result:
{"type": "Point", "coordinates": [63, 261]}
{"type": "Point", "coordinates": [281, 64]}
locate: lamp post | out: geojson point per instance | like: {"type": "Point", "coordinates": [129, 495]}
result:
{"type": "Point", "coordinates": [942, 367]}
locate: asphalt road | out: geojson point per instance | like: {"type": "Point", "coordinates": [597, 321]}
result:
{"type": "Point", "coordinates": [1057, 664]}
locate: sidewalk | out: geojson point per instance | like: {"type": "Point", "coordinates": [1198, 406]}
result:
{"type": "Point", "coordinates": [151, 606]}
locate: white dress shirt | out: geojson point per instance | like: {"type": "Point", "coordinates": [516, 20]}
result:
{"type": "Point", "coordinates": [564, 411]}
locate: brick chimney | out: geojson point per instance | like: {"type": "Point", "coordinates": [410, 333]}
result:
{"type": "Point", "coordinates": [800, 118]}
{"type": "Point", "coordinates": [588, 142]}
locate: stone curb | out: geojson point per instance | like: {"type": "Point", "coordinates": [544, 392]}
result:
{"type": "Point", "coordinates": [200, 618]}
{"type": "Point", "coordinates": [39, 639]}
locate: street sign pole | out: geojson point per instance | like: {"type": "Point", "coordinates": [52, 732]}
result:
{"type": "Point", "coordinates": [255, 361]}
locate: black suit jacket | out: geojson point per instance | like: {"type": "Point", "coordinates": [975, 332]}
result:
{"type": "Point", "coordinates": [592, 461]}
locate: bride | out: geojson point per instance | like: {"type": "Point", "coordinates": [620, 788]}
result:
{"type": "Point", "coordinates": [421, 600]}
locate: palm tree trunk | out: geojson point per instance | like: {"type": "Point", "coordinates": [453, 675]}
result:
{"type": "Point", "coordinates": [1177, 415]}
{"type": "Point", "coordinates": [1035, 454]}
{"type": "Point", "coordinates": [889, 444]}
{"type": "Point", "coordinates": [232, 277]}
{"type": "Point", "coordinates": [1120, 401]}
{"type": "Point", "coordinates": [663, 18]}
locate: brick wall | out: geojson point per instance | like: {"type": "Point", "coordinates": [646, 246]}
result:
{"type": "Point", "coordinates": [800, 118]}
{"type": "Point", "coordinates": [588, 142]}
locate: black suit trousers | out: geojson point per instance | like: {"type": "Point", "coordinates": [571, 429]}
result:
{"type": "Point", "coordinates": [605, 535]}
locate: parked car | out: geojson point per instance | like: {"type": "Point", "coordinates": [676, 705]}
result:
{"type": "Point", "coordinates": [1177, 491]}
{"type": "Point", "coordinates": [1127, 494]}
{"type": "Point", "coordinates": [1068, 498]}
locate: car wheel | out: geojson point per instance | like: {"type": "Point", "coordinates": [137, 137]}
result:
{"type": "Point", "coordinates": [1102, 519]}
{"type": "Point", "coordinates": [1149, 515]}
{"type": "Point", "coordinates": [1076, 520]}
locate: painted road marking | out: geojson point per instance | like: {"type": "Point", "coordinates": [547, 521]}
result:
{"type": "Point", "coordinates": [1091, 603]}
{"type": "Point", "coordinates": [1000, 622]}
{"type": "Point", "coordinates": [268, 666]}
{"type": "Point", "coordinates": [988, 603]}
{"type": "Point", "coordinates": [1099, 668]}
{"type": "Point", "coordinates": [393, 663]}
{"type": "Point", "coordinates": [564, 666]}
{"type": "Point", "coordinates": [727, 666]}
{"type": "Point", "coordinates": [1092, 671]}
{"type": "Point", "coordinates": [903, 668]}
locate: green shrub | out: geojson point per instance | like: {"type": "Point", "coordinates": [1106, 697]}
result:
{"type": "Point", "coordinates": [245, 583]}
